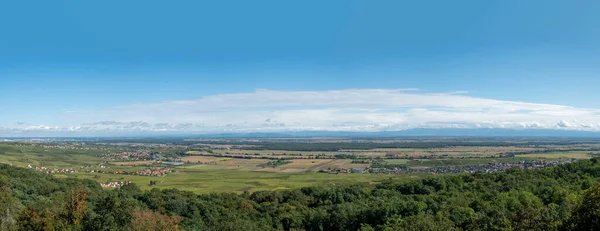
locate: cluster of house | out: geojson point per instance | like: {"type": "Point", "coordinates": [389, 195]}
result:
{"type": "Point", "coordinates": [67, 146]}
{"type": "Point", "coordinates": [147, 172]}
{"type": "Point", "coordinates": [138, 155]}
{"type": "Point", "coordinates": [491, 167]}
{"type": "Point", "coordinates": [51, 170]}
{"type": "Point", "coordinates": [114, 184]}
{"type": "Point", "coordinates": [106, 172]}
{"type": "Point", "coordinates": [201, 162]}
{"type": "Point", "coordinates": [154, 172]}
{"type": "Point", "coordinates": [345, 170]}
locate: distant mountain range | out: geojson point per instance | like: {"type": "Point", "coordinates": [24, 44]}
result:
{"type": "Point", "coordinates": [450, 132]}
{"type": "Point", "coordinates": [421, 132]}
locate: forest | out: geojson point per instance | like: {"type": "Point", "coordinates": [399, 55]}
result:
{"type": "Point", "coordinates": [565, 197]}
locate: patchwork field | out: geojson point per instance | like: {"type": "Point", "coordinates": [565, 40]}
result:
{"type": "Point", "coordinates": [558, 155]}
{"type": "Point", "coordinates": [231, 168]}
{"type": "Point", "coordinates": [205, 179]}
{"type": "Point", "coordinates": [396, 161]}
{"type": "Point", "coordinates": [306, 164]}
{"type": "Point", "coordinates": [458, 151]}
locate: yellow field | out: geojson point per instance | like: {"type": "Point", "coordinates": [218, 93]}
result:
{"type": "Point", "coordinates": [573, 155]}
{"type": "Point", "coordinates": [288, 170]}
{"type": "Point", "coordinates": [231, 163]}
{"type": "Point", "coordinates": [203, 159]}
{"type": "Point", "coordinates": [242, 162]}
{"type": "Point", "coordinates": [297, 165]}
{"type": "Point", "coordinates": [451, 152]}
{"type": "Point", "coordinates": [311, 165]}
{"type": "Point", "coordinates": [196, 153]}
{"type": "Point", "coordinates": [345, 164]}
{"type": "Point", "coordinates": [305, 163]}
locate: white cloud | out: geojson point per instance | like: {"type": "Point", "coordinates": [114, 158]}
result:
{"type": "Point", "coordinates": [335, 110]}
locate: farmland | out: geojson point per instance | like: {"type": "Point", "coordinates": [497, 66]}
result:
{"type": "Point", "coordinates": [224, 165]}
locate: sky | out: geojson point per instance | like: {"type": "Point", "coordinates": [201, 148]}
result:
{"type": "Point", "coordinates": [128, 67]}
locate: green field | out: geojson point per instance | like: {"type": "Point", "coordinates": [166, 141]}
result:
{"type": "Point", "coordinates": [26, 155]}
{"type": "Point", "coordinates": [396, 161]}
{"type": "Point", "coordinates": [205, 179]}
{"type": "Point", "coordinates": [224, 174]}
{"type": "Point", "coordinates": [231, 175]}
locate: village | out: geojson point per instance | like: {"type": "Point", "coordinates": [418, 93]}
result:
{"type": "Point", "coordinates": [147, 172]}
{"type": "Point", "coordinates": [130, 156]}
{"type": "Point", "coordinates": [51, 170]}
{"type": "Point", "coordinates": [490, 167]}
{"type": "Point", "coordinates": [62, 146]}
{"type": "Point", "coordinates": [114, 184]}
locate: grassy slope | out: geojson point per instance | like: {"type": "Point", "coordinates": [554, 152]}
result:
{"type": "Point", "coordinates": [24, 155]}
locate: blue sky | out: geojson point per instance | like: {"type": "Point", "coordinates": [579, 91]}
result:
{"type": "Point", "coordinates": [67, 65]}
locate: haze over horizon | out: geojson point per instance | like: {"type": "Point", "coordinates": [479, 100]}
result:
{"type": "Point", "coordinates": [66, 67]}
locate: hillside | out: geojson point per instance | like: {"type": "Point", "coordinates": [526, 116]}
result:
{"type": "Point", "coordinates": [560, 198]}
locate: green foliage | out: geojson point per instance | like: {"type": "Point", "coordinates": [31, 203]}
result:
{"type": "Point", "coordinates": [10, 207]}
{"type": "Point", "coordinates": [560, 198]}
{"type": "Point", "coordinates": [587, 214]}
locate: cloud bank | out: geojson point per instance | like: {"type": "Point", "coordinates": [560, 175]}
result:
{"type": "Point", "coordinates": [359, 110]}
